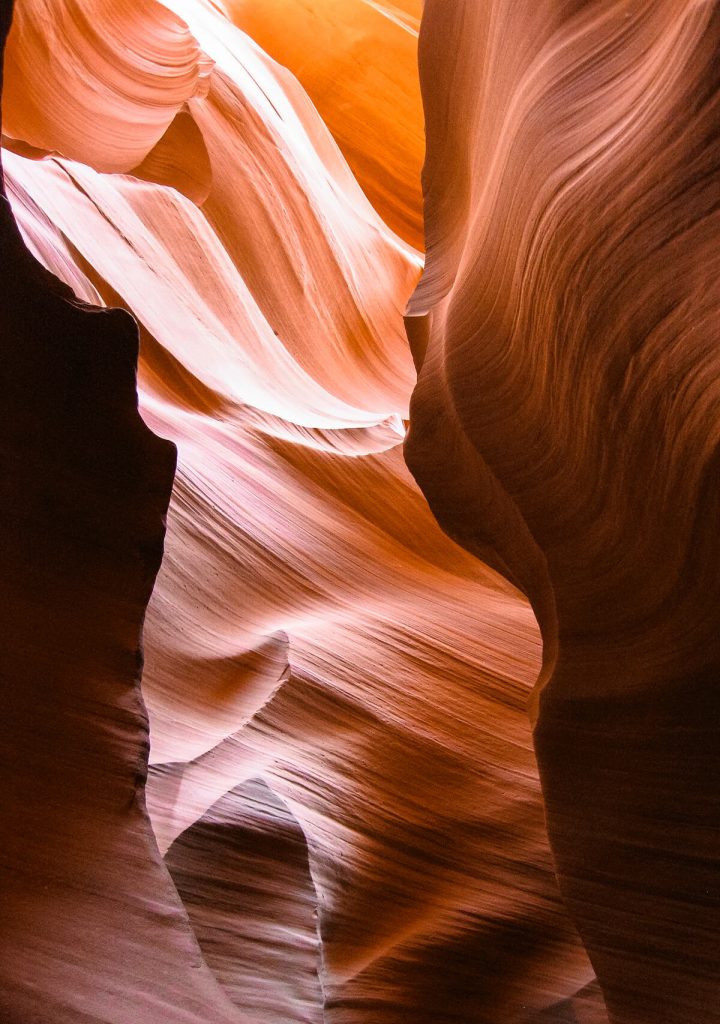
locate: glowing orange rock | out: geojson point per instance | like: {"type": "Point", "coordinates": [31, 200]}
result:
{"type": "Point", "coordinates": [358, 61]}
{"type": "Point", "coordinates": [112, 78]}
{"type": "Point", "coordinates": [312, 629]}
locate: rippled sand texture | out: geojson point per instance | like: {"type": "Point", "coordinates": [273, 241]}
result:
{"type": "Point", "coordinates": [565, 428]}
{"type": "Point", "coordinates": [342, 780]}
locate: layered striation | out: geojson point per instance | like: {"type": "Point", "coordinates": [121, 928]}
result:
{"type": "Point", "coordinates": [326, 805]}
{"type": "Point", "coordinates": [357, 60]}
{"type": "Point", "coordinates": [92, 927]}
{"type": "Point", "coordinates": [341, 780]}
{"type": "Point", "coordinates": [565, 429]}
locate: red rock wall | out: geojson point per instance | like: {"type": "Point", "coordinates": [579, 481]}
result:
{"type": "Point", "coordinates": [92, 928]}
{"type": "Point", "coordinates": [565, 427]}
{"type": "Point", "coordinates": [341, 778]}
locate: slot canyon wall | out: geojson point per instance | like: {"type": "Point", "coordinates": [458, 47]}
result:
{"type": "Point", "coordinates": [297, 783]}
{"type": "Point", "coordinates": [565, 428]}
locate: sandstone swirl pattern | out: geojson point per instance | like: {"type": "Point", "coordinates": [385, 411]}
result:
{"type": "Point", "coordinates": [342, 818]}
{"type": "Point", "coordinates": [341, 771]}
{"type": "Point", "coordinates": [565, 428]}
{"type": "Point", "coordinates": [357, 60]}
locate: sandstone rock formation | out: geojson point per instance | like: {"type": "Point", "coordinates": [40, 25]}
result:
{"type": "Point", "coordinates": [565, 428]}
{"type": "Point", "coordinates": [344, 819]}
{"type": "Point", "coordinates": [92, 928]}
{"type": "Point", "coordinates": [357, 59]}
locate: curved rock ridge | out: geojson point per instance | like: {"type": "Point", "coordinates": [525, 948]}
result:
{"type": "Point", "coordinates": [357, 59]}
{"type": "Point", "coordinates": [112, 114]}
{"type": "Point", "coordinates": [311, 626]}
{"type": "Point", "coordinates": [565, 428]}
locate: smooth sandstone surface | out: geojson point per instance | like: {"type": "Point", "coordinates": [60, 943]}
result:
{"type": "Point", "coordinates": [565, 428]}
{"type": "Point", "coordinates": [344, 817]}
{"type": "Point", "coordinates": [312, 631]}
{"type": "Point", "coordinates": [357, 60]}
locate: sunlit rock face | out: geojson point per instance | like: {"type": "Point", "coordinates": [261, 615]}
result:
{"type": "Point", "coordinates": [341, 772]}
{"type": "Point", "coordinates": [565, 428]}
{"type": "Point", "coordinates": [342, 818]}
{"type": "Point", "coordinates": [311, 629]}
{"type": "Point", "coordinates": [357, 59]}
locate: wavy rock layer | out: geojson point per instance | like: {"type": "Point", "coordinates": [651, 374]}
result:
{"type": "Point", "coordinates": [565, 428]}
{"type": "Point", "coordinates": [357, 59]}
{"type": "Point", "coordinates": [242, 871]}
{"type": "Point", "coordinates": [322, 665]}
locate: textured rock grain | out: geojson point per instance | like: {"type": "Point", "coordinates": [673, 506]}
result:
{"type": "Point", "coordinates": [92, 928]}
{"type": "Point", "coordinates": [565, 428]}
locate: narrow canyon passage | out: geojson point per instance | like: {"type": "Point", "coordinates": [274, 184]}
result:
{"type": "Point", "coordinates": [274, 658]}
